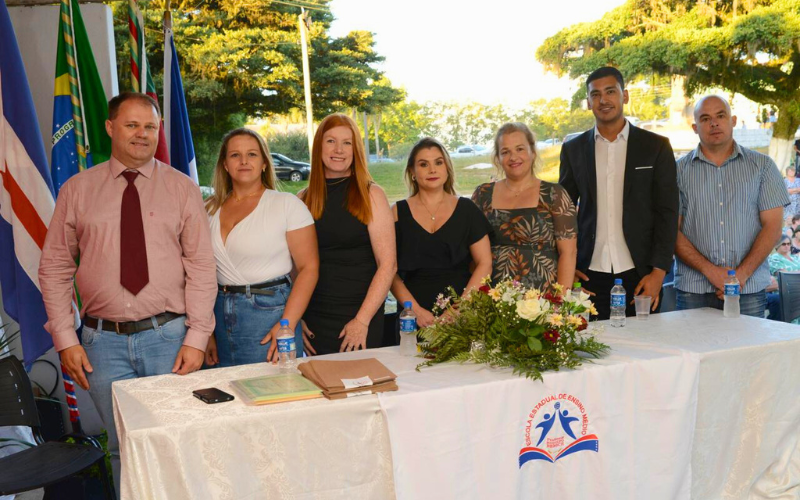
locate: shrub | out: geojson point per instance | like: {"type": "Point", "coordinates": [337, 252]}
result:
{"type": "Point", "coordinates": [293, 144]}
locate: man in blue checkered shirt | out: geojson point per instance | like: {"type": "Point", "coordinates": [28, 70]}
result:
{"type": "Point", "coordinates": [730, 215]}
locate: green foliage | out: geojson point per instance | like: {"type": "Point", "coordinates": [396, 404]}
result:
{"type": "Point", "coordinates": [555, 118]}
{"type": "Point", "coordinates": [456, 124]}
{"type": "Point", "coordinates": [744, 46]}
{"type": "Point", "coordinates": [403, 124]}
{"type": "Point", "coordinates": [293, 144]}
{"type": "Point", "coordinates": [243, 59]}
{"type": "Point", "coordinates": [511, 327]}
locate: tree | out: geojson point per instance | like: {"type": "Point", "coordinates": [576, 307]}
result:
{"type": "Point", "coordinates": [555, 118]}
{"type": "Point", "coordinates": [404, 123]}
{"type": "Point", "coordinates": [243, 59]}
{"type": "Point", "coordinates": [748, 47]}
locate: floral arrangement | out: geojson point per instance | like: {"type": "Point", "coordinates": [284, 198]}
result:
{"type": "Point", "coordinates": [512, 326]}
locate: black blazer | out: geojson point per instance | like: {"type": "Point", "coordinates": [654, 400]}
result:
{"type": "Point", "coordinates": [649, 201]}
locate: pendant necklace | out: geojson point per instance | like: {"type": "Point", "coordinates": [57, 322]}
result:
{"type": "Point", "coordinates": [515, 193]}
{"type": "Point", "coordinates": [433, 216]}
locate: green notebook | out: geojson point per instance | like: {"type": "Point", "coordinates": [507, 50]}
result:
{"type": "Point", "coordinates": [276, 389]}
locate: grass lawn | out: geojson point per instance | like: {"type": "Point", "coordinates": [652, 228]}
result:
{"type": "Point", "coordinates": [389, 175]}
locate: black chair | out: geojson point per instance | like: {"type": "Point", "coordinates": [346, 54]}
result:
{"type": "Point", "coordinates": [49, 462]}
{"type": "Point", "coordinates": [789, 287]}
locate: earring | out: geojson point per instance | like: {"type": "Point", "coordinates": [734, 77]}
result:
{"type": "Point", "coordinates": [414, 178]}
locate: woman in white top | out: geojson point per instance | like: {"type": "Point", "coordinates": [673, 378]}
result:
{"type": "Point", "coordinates": [259, 235]}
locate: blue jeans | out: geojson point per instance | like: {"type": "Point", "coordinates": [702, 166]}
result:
{"type": "Point", "coordinates": [244, 320]}
{"type": "Point", "coordinates": [750, 304]}
{"type": "Point", "coordinates": [120, 357]}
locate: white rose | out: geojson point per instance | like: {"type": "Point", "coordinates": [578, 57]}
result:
{"type": "Point", "coordinates": [529, 309]}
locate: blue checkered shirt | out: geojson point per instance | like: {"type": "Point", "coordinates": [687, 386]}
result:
{"type": "Point", "coordinates": [721, 209]}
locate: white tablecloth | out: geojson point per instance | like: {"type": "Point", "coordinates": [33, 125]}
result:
{"type": "Point", "coordinates": [457, 432]}
{"type": "Point", "coordinates": [747, 435]}
{"type": "Point", "coordinates": [686, 402]}
{"type": "Point", "coordinates": [173, 446]}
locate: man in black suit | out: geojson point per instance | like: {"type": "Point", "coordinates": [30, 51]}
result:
{"type": "Point", "coordinates": [624, 181]}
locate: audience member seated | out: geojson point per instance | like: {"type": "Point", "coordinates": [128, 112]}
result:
{"type": "Point", "coordinates": [781, 260]}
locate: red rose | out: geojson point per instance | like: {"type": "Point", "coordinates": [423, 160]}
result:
{"type": "Point", "coordinates": [584, 324]}
{"type": "Point", "coordinates": [554, 299]}
{"type": "Point", "coordinates": [484, 288]}
{"type": "Point", "coordinates": [552, 336]}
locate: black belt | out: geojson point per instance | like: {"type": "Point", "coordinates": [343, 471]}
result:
{"type": "Point", "coordinates": [130, 327]}
{"type": "Point", "coordinates": [259, 289]}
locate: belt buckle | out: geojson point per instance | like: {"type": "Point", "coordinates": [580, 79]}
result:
{"type": "Point", "coordinates": [116, 327]}
{"type": "Point", "coordinates": [224, 288]}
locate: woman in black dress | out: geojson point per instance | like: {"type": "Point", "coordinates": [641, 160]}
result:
{"type": "Point", "coordinates": [357, 258]}
{"type": "Point", "coordinates": [439, 234]}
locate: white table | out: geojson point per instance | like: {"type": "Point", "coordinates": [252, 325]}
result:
{"type": "Point", "coordinates": [686, 405]}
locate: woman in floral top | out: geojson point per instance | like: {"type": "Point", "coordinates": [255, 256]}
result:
{"type": "Point", "coordinates": [534, 237]}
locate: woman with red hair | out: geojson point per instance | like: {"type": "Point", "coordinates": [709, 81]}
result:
{"type": "Point", "coordinates": [355, 233]}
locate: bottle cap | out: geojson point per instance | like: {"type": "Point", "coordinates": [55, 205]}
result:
{"type": "Point", "coordinates": [731, 272]}
{"type": "Point", "coordinates": [284, 322]}
{"type": "Point", "coordinates": [407, 304]}
{"type": "Point", "coordinates": [618, 281]}
{"type": "Point", "coordinates": [577, 284]}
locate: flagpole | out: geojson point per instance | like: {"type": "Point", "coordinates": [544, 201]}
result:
{"type": "Point", "coordinates": [301, 20]}
{"type": "Point", "coordinates": [168, 80]}
{"type": "Point", "coordinates": [142, 60]}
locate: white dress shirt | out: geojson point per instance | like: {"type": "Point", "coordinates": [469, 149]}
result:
{"type": "Point", "coordinates": [256, 249]}
{"type": "Point", "coordinates": [611, 254]}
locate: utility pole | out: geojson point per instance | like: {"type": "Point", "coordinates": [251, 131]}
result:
{"type": "Point", "coordinates": [302, 21]}
{"type": "Point", "coordinates": [366, 135]}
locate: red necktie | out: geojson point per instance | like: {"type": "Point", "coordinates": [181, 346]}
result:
{"type": "Point", "coordinates": [133, 253]}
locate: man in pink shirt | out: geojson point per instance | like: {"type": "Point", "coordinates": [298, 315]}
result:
{"type": "Point", "coordinates": [147, 276]}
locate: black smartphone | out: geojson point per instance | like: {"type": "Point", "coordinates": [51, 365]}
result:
{"type": "Point", "coordinates": [212, 395]}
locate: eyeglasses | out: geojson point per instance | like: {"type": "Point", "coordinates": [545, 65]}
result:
{"type": "Point", "coordinates": [785, 244]}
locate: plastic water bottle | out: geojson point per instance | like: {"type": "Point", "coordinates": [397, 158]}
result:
{"type": "Point", "coordinates": [732, 291]}
{"type": "Point", "coordinates": [287, 351]}
{"type": "Point", "coordinates": [576, 291]}
{"type": "Point", "coordinates": [408, 330]}
{"type": "Point", "coordinates": [617, 304]}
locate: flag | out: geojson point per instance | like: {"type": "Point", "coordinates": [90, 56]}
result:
{"type": "Point", "coordinates": [176, 117]}
{"type": "Point", "coordinates": [26, 198]}
{"type": "Point", "coordinates": [80, 108]}
{"type": "Point", "coordinates": [140, 70]}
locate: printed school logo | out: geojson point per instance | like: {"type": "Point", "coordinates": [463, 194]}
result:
{"type": "Point", "coordinates": [561, 430]}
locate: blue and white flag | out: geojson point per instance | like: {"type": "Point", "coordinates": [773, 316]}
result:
{"type": "Point", "coordinates": [176, 118]}
{"type": "Point", "coordinates": [26, 198]}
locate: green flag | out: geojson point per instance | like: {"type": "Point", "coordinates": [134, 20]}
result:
{"type": "Point", "coordinates": [80, 108]}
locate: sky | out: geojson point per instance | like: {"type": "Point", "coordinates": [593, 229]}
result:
{"type": "Point", "coordinates": [481, 51]}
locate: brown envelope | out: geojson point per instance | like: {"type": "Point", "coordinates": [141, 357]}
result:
{"type": "Point", "coordinates": [374, 389]}
{"type": "Point", "coordinates": [328, 375]}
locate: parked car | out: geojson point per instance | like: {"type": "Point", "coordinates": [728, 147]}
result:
{"type": "Point", "coordinates": [466, 151]}
{"type": "Point", "coordinates": [571, 136]}
{"type": "Point", "coordinates": [288, 169]}
{"type": "Point", "coordinates": [548, 143]}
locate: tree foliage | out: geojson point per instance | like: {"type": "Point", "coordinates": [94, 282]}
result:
{"type": "Point", "coordinates": [244, 59]}
{"type": "Point", "coordinates": [750, 47]}
{"type": "Point", "coordinates": [456, 124]}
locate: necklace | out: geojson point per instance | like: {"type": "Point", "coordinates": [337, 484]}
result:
{"type": "Point", "coordinates": [238, 199]}
{"type": "Point", "coordinates": [515, 193]}
{"type": "Point", "coordinates": [337, 182]}
{"type": "Point", "coordinates": [433, 215]}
